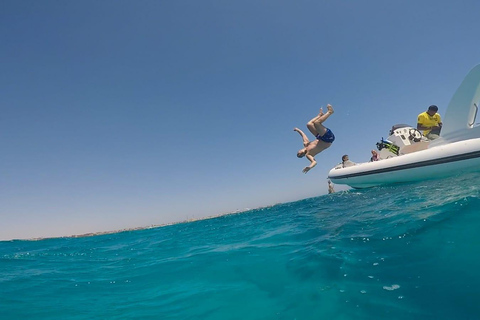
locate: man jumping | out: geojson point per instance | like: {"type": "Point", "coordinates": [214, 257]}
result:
{"type": "Point", "coordinates": [324, 137]}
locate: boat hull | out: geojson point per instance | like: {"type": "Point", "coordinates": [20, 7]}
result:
{"type": "Point", "coordinates": [436, 162]}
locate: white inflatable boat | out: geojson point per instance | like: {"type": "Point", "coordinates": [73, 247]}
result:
{"type": "Point", "coordinates": [407, 156]}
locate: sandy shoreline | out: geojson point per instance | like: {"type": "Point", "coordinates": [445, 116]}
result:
{"type": "Point", "coordinates": [92, 234]}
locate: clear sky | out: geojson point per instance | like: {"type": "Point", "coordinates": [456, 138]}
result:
{"type": "Point", "coordinates": [119, 114]}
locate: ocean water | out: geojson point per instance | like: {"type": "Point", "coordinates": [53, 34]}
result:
{"type": "Point", "coordinates": [409, 251]}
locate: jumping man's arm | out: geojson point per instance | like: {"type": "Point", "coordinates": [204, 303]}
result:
{"type": "Point", "coordinates": [304, 137]}
{"type": "Point", "coordinates": [312, 164]}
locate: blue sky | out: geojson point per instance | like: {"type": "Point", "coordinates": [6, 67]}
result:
{"type": "Point", "coordinates": [118, 114]}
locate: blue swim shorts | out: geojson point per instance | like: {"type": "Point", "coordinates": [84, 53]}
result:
{"type": "Point", "coordinates": [328, 137]}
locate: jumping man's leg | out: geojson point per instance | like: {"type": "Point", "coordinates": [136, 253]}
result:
{"type": "Point", "coordinates": [311, 125]}
{"type": "Point", "coordinates": [325, 116]}
{"type": "Point", "coordinates": [319, 120]}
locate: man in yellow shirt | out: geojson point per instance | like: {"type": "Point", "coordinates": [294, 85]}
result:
{"type": "Point", "coordinates": [430, 122]}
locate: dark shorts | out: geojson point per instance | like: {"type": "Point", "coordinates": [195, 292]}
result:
{"type": "Point", "coordinates": [328, 137]}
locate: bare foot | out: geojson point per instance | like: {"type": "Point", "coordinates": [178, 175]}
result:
{"type": "Point", "coordinates": [295, 129]}
{"type": "Point", "coordinates": [330, 109]}
{"type": "Point", "coordinates": [321, 112]}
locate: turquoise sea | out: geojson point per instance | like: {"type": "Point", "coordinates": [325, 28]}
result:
{"type": "Point", "coordinates": [408, 251]}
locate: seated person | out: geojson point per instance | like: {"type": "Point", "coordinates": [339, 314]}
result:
{"type": "Point", "coordinates": [375, 156]}
{"type": "Point", "coordinates": [430, 122]}
{"type": "Point", "coordinates": [346, 162]}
